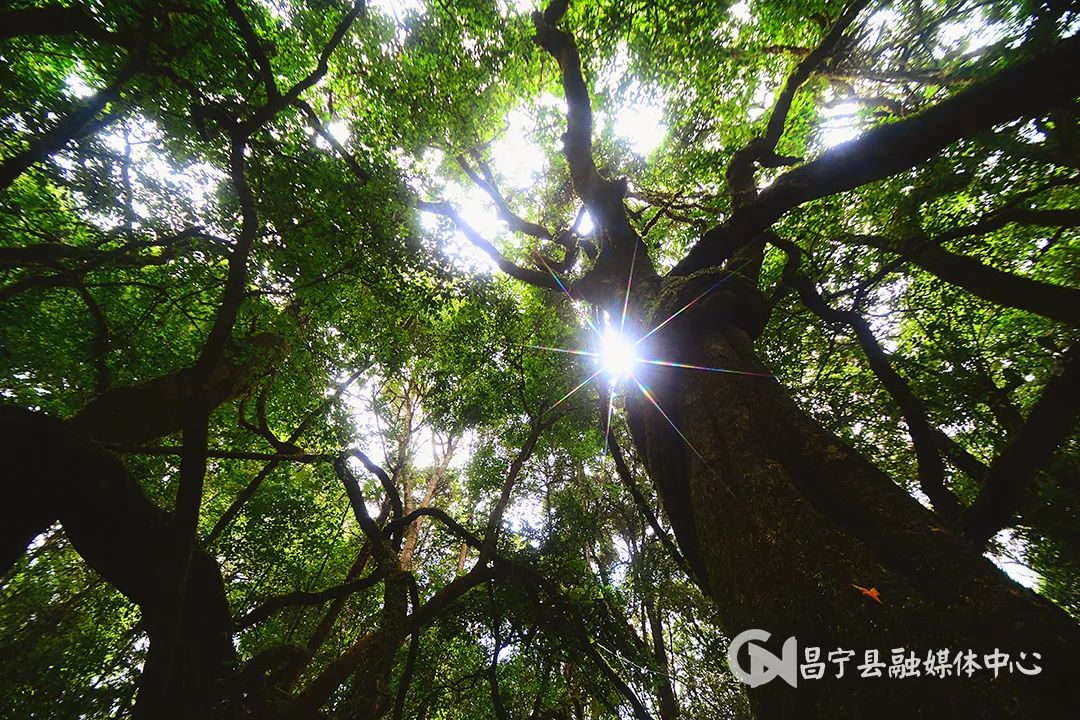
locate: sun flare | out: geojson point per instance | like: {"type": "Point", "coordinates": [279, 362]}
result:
{"type": "Point", "coordinates": [618, 355]}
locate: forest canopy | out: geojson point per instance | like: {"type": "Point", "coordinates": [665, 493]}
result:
{"type": "Point", "coordinates": [488, 359]}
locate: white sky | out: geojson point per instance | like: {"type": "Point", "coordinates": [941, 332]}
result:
{"type": "Point", "coordinates": [970, 33]}
{"type": "Point", "coordinates": [1013, 560]}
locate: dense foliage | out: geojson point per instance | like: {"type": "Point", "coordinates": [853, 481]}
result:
{"type": "Point", "coordinates": [299, 265]}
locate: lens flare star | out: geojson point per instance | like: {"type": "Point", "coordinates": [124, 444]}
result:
{"type": "Point", "coordinates": [618, 355]}
{"type": "Point", "coordinates": [617, 358]}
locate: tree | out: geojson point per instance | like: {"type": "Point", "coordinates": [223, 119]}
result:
{"type": "Point", "coordinates": [241, 253]}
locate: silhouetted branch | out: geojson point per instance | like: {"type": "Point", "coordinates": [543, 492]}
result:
{"type": "Point", "coordinates": [255, 48]}
{"type": "Point", "coordinates": [1048, 425]}
{"type": "Point", "coordinates": [762, 149]}
{"type": "Point", "coordinates": [69, 127]}
{"type": "Point", "coordinates": [1056, 302]}
{"type": "Point", "coordinates": [276, 104]}
{"type": "Point", "coordinates": [621, 252]}
{"type": "Point", "coordinates": [1026, 88]}
{"type": "Point", "coordinates": [410, 660]}
{"type": "Point", "coordinates": [532, 277]}
{"type": "Point", "coordinates": [493, 666]}
{"type": "Point", "coordinates": [302, 598]}
{"type": "Point", "coordinates": [930, 468]}
{"type": "Point", "coordinates": [487, 184]}
{"type": "Point", "coordinates": [317, 125]}
{"type": "Point", "coordinates": [382, 549]}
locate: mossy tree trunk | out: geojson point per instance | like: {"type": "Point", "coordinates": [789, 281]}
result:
{"type": "Point", "coordinates": [780, 520]}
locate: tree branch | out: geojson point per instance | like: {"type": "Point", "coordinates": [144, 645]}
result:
{"type": "Point", "coordinates": [410, 660]}
{"type": "Point", "coordinates": [627, 478]}
{"type": "Point", "coordinates": [527, 275]}
{"type": "Point", "coordinates": [740, 173]}
{"type": "Point", "coordinates": [621, 249]}
{"type": "Point", "coordinates": [1056, 302]}
{"type": "Point", "coordinates": [255, 49]}
{"type": "Point", "coordinates": [176, 450]}
{"type": "Point", "coordinates": [276, 104]}
{"type": "Point", "coordinates": [300, 597]}
{"type": "Point", "coordinates": [494, 524]}
{"type": "Point", "coordinates": [70, 126]}
{"type": "Point", "coordinates": [930, 469]}
{"type": "Point", "coordinates": [487, 184]}
{"type": "Point", "coordinates": [1026, 88]}
{"type": "Point", "coordinates": [1048, 425]}
{"type": "Point", "coordinates": [381, 548]}
{"type": "Point", "coordinates": [493, 666]}
{"type": "Point", "coordinates": [317, 125]}
{"type": "Point", "coordinates": [56, 472]}
{"type": "Point", "coordinates": [249, 490]}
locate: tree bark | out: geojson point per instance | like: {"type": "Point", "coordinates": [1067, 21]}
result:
{"type": "Point", "coordinates": [780, 520]}
{"type": "Point", "coordinates": [56, 473]}
{"type": "Point", "coordinates": [669, 703]}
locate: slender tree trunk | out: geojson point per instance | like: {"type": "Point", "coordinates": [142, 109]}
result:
{"type": "Point", "coordinates": [669, 704]}
{"type": "Point", "coordinates": [780, 520]}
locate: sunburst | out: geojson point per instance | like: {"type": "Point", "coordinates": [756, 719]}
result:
{"type": "Point", "coordinates": [618, 357]}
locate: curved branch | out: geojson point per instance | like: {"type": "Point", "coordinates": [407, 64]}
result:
{"type": "Point", "coordinates": [176, 450]}
{"type": "Point", "coordinates": [236, 278]}
{"type": "Point", "coordinates": [249, 490]}
{"type": "Point", "coordinates": [254, 48]}
{"type": "Point", "coordinates": [930, 468]}
{"type": "Point", "coordinates": [493, 666]}
{"type": "Point", "coordinates": [410, 660]}
{"type": "Point", "coordinates": [494, 524]}
{"type": "Point", "coordinates": [388, 485]}
{"type": "Point", "coordinates": [316, 124]}
{"type": "Point", "coordinates": [1048, 425]}
{"type": "Point", "coordinates": [278, 103]}
{"type": "Point", "coordinates": [532, 277]}
{"type": "Point", "coordinates": [622, 251]}
{"type": "Point", "coordinates": [1026, 88]}
{"type": "Point", "coordinates": [740, 172]}
{"type": "Point", "coordinates": [132, 415]}
{"type": "Point", "coordinates": [300, 597]}
{"type": "Point", "coordinates": [778, 119]}
{"type": "Point", "coordinates": [487, 184]}
{"type": "Point", "coordinates": [1056, 302]}
{"type": "Point", "coordinates": [381, 548]}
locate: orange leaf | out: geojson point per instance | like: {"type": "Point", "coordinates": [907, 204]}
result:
{"type": "Point", "coordinates": [871, 593]}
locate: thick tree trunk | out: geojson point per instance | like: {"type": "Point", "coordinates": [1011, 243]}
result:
{"type": "Point", "coordinates": [56, 473]}
{"type": "Point", "coordinates": [780, 520]}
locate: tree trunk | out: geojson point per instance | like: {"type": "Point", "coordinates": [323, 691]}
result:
{"type": "Point", "coordinates": [780, 520]}
{"type": "Point", "coordinates": [669, 704]}
{"type": "Point", "coordinates": [56, 473]}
